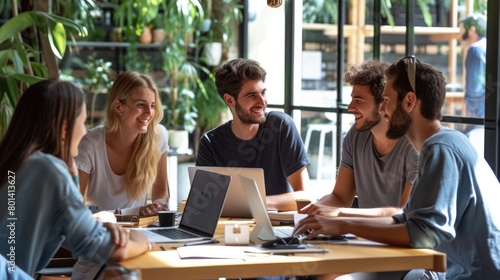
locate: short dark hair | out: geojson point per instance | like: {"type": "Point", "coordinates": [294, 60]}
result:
{"type": "Point", "coordinates": [231, 76]}
{"type": "Point", "coordinates": [430, 86]}
{"type": "Point", "coordinates": [476, 20]}
{"type": "Point", "coordinates": [371, 73]}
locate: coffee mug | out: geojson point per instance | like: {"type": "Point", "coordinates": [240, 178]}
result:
{"type": "Point", "coordinates": [301, 203]}
{"type": "Point", "coordinates": [166, 218]}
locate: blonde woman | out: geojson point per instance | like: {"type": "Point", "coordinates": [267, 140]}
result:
{"type": "Point", "coordinates": [121, 160]}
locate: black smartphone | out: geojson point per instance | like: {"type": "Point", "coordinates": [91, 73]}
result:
{"type": "Point", "coordinates": [283, 243]}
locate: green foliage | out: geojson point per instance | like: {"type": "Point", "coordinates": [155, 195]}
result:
{"type": "Point", "coordinates": [134, 15]}
{"type": "Point", "coordinates": [210, 106]}
{"type": "Point", "coordinates": [96, 80]}
{"type": "Point", "coordinates": [320, 11]}
{"type": "Point", "coordinates": [182, 114]}
{"type": "Point", "coordinates": [180, 20]}
{"type": "Point", "coordinates": [135, 62]}
{"type": "Point", "coordinates": [96, 74]}
{"type": "Point", "coordinates": [223, 14]}
{"type": "Point", "coordinates": [19, 62]}
{"type": "Point", "coordinates": [326, 11]}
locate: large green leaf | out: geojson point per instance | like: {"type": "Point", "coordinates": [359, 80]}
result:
{"type": "Point", "coordinates": [57, 39]}
{"type": "Point", "coordinates": [15, 25]}
{"type": "Point", "coordinates": [9, 90]}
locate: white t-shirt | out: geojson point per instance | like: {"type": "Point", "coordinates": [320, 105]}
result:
{"type": "Point", "coordinates": [105, 189]}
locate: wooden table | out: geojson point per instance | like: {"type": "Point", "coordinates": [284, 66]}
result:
{"type": "Point", "coordinates": [341, 258]}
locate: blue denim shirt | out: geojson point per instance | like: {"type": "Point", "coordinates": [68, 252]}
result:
{"type": "Point", "coordinates": [45, 209]}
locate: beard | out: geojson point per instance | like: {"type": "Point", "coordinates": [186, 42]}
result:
{"type": "Point", "coordinates": [372, 120]}
{"type": "Point", "coordinates": [246, 118]}
{"type": "Point", "coordinates": [399, 123]}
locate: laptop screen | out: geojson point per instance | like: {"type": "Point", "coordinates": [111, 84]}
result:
{"type": "Point", "coordinates": [235, 206]}
{"type": "Point", "coordinates": [204, 203]}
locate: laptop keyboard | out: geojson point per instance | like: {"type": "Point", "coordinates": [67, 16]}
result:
{"type": "Point", "coordinates": [175, 233]}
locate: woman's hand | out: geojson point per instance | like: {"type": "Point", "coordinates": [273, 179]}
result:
{"type": "Point", "coordinates": [151, 209]}
{"type": "Point", "coordinates": [105, 217]}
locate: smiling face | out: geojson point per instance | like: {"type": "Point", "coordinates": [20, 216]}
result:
{"type": "Point", "coordinates": [138, 110]}
{"type": "Point", "coordinates": [251, 104]}
{"type": "Point", "coordinates": [391, 109]}
{"type": "Point", "coordinates": [366, 113]}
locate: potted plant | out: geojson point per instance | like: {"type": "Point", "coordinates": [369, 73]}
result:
{"type": "Point", "coordinates": [180, 21]}
{"type": "Point", "coordinates": [158, 32]}
{"type": "Point", "coordinates": [134, 18]}
{"type": "Point", "coordinates": [180, 115]}
{"type": "Point", "coordinates": [210, 108]}
{"type": "Point", "coordinates": [95, 83]}
{"type": "Point", "coordinates": [216, 33]}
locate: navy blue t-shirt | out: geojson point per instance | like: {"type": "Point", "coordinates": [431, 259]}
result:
{"type": "Point", "coordinates": [277, 148]}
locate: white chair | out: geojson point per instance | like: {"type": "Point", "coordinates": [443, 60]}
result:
{"type": "Point", "coordinates": [323, 129]}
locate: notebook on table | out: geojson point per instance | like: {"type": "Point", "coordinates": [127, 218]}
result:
{"type": "Point", "coordinates": [201, 213]}
{"type": "Point", "coordinates": [236, 206]}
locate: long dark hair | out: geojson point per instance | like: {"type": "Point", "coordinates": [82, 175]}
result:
{"type": "Point", "coordinates": [37, 124]}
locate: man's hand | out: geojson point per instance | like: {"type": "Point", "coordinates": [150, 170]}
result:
{"type": "Point", "coordinates": [314, 225]}
{"type": "Point", "coordinates": [319, 209]}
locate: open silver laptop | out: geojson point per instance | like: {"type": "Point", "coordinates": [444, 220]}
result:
{"type": "Point", "coordinates": [236, 205]}
{"type": "Point", "coordinates": [201, 213]}
{"type": "Point", "coordinates": [263, 230]}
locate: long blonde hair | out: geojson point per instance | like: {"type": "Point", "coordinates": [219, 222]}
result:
{"type": "Point", "coordinates": [143, 165]}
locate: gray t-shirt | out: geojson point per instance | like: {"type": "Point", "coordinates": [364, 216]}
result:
{"type": "Point", "coordinates": [380, 181]}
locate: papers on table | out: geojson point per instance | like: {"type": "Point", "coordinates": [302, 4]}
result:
{"type": "Point", "coordinates": [211, 252]}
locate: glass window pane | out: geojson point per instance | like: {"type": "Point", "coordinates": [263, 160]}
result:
{"type": "Point", "coordinates": [266, 44]}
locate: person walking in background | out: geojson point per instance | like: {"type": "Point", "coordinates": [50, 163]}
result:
{"type": "Point", "coordinates": [473, 38]}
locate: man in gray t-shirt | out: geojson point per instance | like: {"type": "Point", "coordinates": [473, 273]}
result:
{"type": "Point", "coordinates": [379, 170]}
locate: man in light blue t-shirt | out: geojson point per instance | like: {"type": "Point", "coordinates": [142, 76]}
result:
{"type": "Point", "coordinates": [379, 170]}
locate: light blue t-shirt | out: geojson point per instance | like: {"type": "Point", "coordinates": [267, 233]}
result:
{"type": "Point", "coordinates": [48, 210]}
{"type": "Point", "coordinates": [454, 207]}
